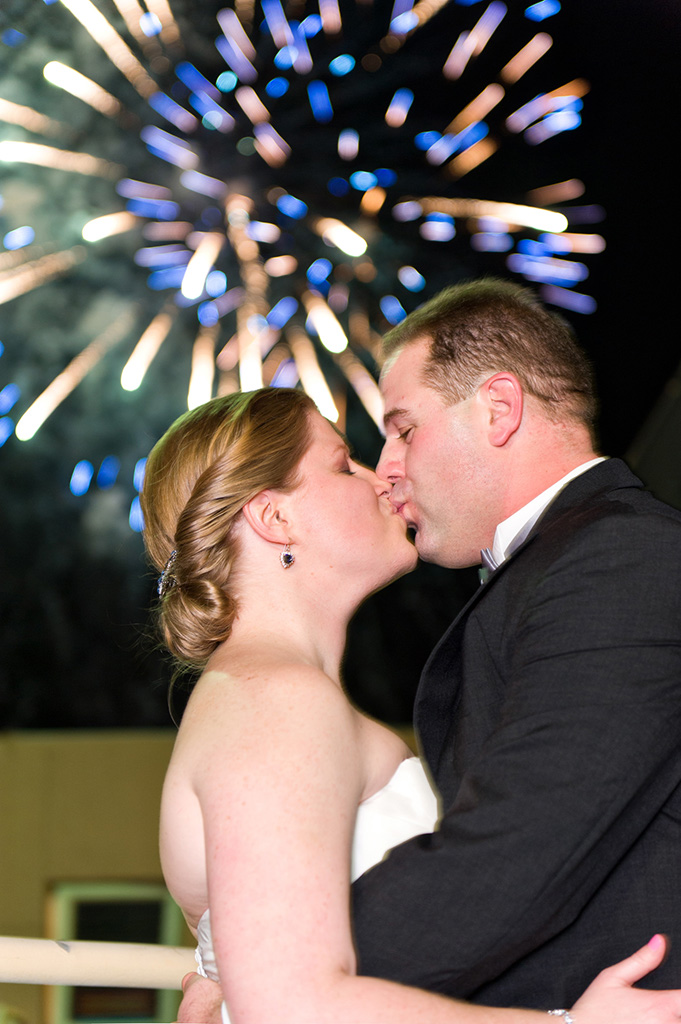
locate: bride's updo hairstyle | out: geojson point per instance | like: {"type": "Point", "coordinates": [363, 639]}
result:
{"type": "Point", "coordinates": [198, 478]}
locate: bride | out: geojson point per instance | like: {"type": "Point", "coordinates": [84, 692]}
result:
{"type": "Point", "coordinates": [268, 536]}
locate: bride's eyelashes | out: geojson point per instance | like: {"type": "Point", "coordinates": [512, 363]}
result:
{"type": "Point", "coordinates": [348, 464]}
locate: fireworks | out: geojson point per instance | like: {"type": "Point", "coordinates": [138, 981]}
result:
{"type": "Point", "coordinates": [281, 182]}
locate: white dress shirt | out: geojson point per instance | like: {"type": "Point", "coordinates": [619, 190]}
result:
{"type": "Point", "coordinates": [524, 519]}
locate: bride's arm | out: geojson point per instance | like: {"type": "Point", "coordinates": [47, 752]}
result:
{"type": "Point", "coordinates": [281, 772]}
{"type": "Point", "coordinates": [609, 998]}
{"type": "Point", "coordinates": [279, 794]}
{"type": "Point", "coordinates": [278, 799]}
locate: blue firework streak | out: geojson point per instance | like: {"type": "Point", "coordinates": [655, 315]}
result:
{"type": "Point", "coordinates": [285, 183]}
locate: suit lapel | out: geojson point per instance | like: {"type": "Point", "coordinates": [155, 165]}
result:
{"type": "Point", "coordinates": [439, 693]}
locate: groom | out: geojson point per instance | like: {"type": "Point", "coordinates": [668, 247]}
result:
{"type": "Point", "coordinates": [550, 712]}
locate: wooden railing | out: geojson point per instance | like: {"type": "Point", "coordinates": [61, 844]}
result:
{"type": "Point", "coordinates": [110, 964]}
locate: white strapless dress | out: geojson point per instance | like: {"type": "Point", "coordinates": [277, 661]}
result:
{"type": "Point", "coordinates": [405, 807]}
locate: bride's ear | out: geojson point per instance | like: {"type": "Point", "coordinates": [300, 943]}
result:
{"type": "Point", "coordinates": [266, 515]}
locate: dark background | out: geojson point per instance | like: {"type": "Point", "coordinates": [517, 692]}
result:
{"type": "Point", "coordinates": [77, 644]}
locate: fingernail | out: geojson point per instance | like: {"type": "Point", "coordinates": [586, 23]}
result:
{"type": "Point", "coordinates": [656, 942]}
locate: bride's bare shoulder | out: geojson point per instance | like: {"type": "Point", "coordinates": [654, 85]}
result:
{"type": "Point", "coordinates": [384, 752]}
{"type": "Point", "coordinates": [265, 699]}
{"type": "Point", "coordinates": [267, 680]}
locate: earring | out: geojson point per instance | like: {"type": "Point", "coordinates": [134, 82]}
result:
{"type": "Point", "coordinates": [287, 558]}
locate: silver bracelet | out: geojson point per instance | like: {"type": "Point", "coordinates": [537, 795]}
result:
{"type": "Point", "coordinates": [565, 1014]}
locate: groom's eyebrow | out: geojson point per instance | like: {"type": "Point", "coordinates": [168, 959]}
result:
{"type": "Point", "coordinates": [393, 414]}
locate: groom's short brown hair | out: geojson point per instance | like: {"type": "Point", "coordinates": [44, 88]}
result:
{"type": "Point", "coordinates": [478, 328]}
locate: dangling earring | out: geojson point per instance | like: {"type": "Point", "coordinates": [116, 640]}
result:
{"type": "Point", "coordinates": [287, 558]}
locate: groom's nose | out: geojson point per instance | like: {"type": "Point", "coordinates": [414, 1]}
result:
{"type": "Point", "coordinates": [391, 461]}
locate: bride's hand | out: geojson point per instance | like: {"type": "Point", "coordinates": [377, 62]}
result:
{"type": "Point", "coordinates": [610, 998]}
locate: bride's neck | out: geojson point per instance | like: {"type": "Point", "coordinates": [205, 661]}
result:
{"type": "Point", "coordinates": [291, 624]}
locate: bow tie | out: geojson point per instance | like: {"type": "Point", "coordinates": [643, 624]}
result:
{"type": "Point", "coordinates": [488, 565]}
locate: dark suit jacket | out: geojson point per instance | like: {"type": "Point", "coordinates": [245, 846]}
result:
{"type": "Point", "coordinates": [550, 716]}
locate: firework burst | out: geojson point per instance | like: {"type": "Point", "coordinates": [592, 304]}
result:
{"type": "Point", "coordinates": [250, 195]}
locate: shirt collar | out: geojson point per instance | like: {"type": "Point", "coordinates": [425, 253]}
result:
{"type": "Point", "coordinates": [524, 519]}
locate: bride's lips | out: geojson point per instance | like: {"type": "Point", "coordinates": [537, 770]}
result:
{"type": "Point", "coordinates": [400, 509]}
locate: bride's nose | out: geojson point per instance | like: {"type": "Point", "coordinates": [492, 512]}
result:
{"type": "Point", "coordinates": [381, 486]}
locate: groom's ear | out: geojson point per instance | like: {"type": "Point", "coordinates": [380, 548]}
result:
{"type": "Point", "coordinates": [502, 395]}
{"type": "Point", "coordinates": [265, 513]}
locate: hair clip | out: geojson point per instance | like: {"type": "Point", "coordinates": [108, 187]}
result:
{"type": "Point", "coordinates": [167, 580]}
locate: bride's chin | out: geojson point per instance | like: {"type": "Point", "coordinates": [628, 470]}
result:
{"type": "Point", "coordinates": [403, 559]}
{"type": "Point", "coordinates": [408, 558]}
{"type": "Point", "coordinates": [413, 562]}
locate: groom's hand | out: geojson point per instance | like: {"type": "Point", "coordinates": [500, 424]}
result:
{"type": "Point", "coordinates": [201, 1001]}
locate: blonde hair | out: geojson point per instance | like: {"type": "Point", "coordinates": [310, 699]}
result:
{"type": "Point", "coordinates": [199, 476]}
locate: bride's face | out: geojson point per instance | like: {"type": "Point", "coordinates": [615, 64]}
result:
{"type": "Point", "coordinates": [346, 522]}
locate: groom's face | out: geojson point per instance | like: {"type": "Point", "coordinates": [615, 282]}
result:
{"type": "Point", "coordinates": [438, 460]}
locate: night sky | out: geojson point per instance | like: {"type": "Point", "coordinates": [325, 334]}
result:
{"type": "Point", "coordinates": [78, 645]}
